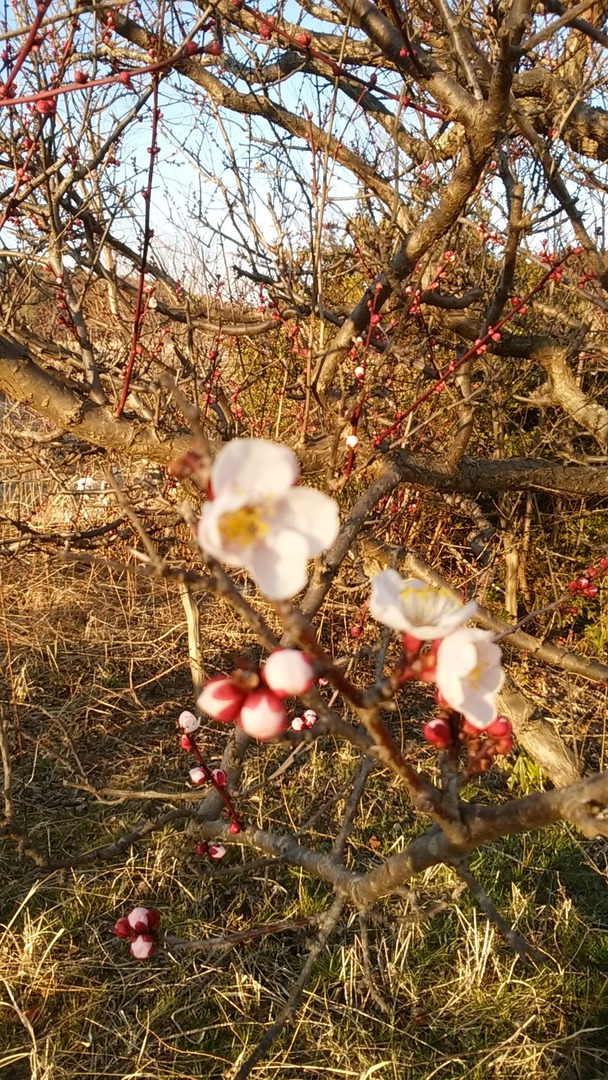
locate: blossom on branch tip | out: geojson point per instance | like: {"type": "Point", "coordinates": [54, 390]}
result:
{"type": "Point", "coordinates": [257, 518]}
{"type": "Point", "coordinates": [197, 776]}
{"type": "Point", "coordinates": [216, 851]}
{"type": "Point", "coordinates": [138, 927]}
{"type": "Point", "coordinates": [188, 722]}
{"type": "Point", "coordinates": [469, 674]}
{"type": "Point", "coordinates": [288, 672]}
{"type": "Point", "coordinates": [415, 608]}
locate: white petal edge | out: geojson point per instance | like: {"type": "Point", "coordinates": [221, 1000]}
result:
{"type": "Point", "coordinates": [311, 513]}
{"type": "Point", "coordinates": [384, 600]}
{"type": "Point", "coordinates": [254, 467]}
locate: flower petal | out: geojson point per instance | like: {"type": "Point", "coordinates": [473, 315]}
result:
{"type": "Point", "coordinates": [254, 467]}
{"type": "Point", "coordinates": [313, 514]}
{"type": "Point", "coordinates": [384, 603]}
{"type": "Point", "coordinates": [288, 672]}
{"type": "Point", "coordinates": [278, 565]}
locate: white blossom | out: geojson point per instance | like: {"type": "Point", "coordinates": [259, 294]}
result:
{"type": "Point", "coordinates": [469, 674]}
{"type": "Point", "coordinates": [188, 722]}
{"type": "Point", "coordinates": [415, 608]}
{"type": "Point", "coordinates": [257, 519]}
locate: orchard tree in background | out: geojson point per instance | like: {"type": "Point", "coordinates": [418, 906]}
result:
{"type": "Point", "coordinates": [373, 235]}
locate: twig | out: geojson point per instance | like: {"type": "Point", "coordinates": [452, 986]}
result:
{"type": "Point", "coordinates": [328, 924]}
{"type": "Point", "coordinates": [367, 967]}
{"type": "Point", "coordinates": [131, 516]}
{"type": "Point", "coordinates": [108, 851]}
{"type": "Point", "coordinates": [516, 941]}
{"type": "Point", "coordinates": [360, 776]}
{"type": "Point", "coordinates": [229, 941]}
{"type": "Point", "coordinates": [8, 826]}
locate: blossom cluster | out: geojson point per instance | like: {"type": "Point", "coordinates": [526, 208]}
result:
{"type": "Point", "coordinates": [464, 663]}
{"type": "Point", "coordinates": [255, 700]}
{"type": "Point", "coordinates": [139, 928]}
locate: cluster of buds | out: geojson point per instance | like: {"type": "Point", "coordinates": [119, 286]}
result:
{"type": "Point", "coordinates": [464, 664]}
{"type": "Point", "coordinates": [139, 928]}
{"type": "Point", "coordinates": [214, 851]}
{"type": "Point", "coordinates": [585, 584]}
{"type": "Point", "coordinates": [450, 729]}
{"type": "Point", "coordinates": [254, 699]}
{"type": "Point", "coordinates": [188, 724]}
{"type": "Point", "coordinates": [308, 719]}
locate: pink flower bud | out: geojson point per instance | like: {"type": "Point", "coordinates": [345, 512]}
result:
{"type": "Point", "coordinates": [216, 851]}
{"type": "Point", "coordinates": [188, 722]}
{"type": "Point", "coordinates": [359, 372]}
{"type": "Point", "coordinates": [185, 742]}
{"type": "Point", "coordinates": [310, 718]}
{"type": "Point", "coordinates": [220, 777]}
{"type": "Point", "coordinates": [263, 715]}
{"type": "Point", "coordinates": [142, 947]}
{"type": "Point", "coordinates": [437, 732]}
{"type": "Point", "coordinates": [287, 672]}
{"type": "Point", "coordinates": [201, 848]}
{"type": "Point", "coordinates": [469, 728]}
{"type": "Point", "coordinates": [221, 699]}
{"type": "Point", "coordinates": [122, 929]}
{"type": "Point", "coordinates": [499, 728]}
{"type": "Point", "coordinates": [197, 776]}
{"type": "Point", "coordinates": [234, 828]}
{"type": "Point", "coordinates": [411, 644]}
{"type": "Point", "coordinates": [504, 746]}
{"type": "Point", "coordinates": [298, 723]}
{"type": "Point", "coordinates": [352, 441]}
{"type": "Point", "coordinates": [142, 919]}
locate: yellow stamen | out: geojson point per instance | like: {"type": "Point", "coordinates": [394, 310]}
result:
{"type": "Point", "coordinates": [242, 526]}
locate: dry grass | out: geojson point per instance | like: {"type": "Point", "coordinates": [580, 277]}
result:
{"type": "Point", "coordinates": [96, 665]}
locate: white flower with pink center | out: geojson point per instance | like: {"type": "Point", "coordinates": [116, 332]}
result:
{"type": "Point", "coordinates": [263, 715]}
{"type": "Point", "coordinates": [288, 672]}
{"type": "Point", "coordinates": [259, 520]}
{"type": "Point", "coordinates": [469, 674]}
{"type": "Point", "coordinates": [414, 608]}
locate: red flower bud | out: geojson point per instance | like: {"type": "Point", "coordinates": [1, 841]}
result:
{"type": "Point", "coordinates": [437, 732]}
{"type": "Point", "coordinates": [499, 728]}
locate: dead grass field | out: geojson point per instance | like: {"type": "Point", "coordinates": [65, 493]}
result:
{"type": "Point", "coordinates": [96, 671]}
